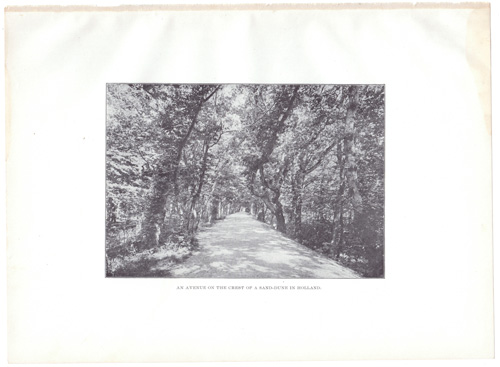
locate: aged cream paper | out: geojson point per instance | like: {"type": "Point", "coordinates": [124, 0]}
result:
{"type": "Point", "coordinates": [437, 298]}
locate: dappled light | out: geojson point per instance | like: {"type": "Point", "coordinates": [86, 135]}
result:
{"type": "Point", "coordinates": [242, 247]}
{"type": "Point", "coordinates": [245, 180]}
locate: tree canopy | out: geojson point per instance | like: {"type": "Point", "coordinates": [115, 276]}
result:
{"type": "Point", "coordinates": [307, 159]}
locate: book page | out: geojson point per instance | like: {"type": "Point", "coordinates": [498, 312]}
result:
{"type": "Point", "coordinates": [435, 300]}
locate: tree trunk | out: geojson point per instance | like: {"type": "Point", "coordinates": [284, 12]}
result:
{"type": "Point", "coordinates": [337, 225]}
{"type": "Point", "coordinates": [153, 220]}
{"type": "Point", "coordinates": [214, 210]}
{"type": "Point", "coordinates": [261, 216]}
{"type": "Point", "coordinates": [340, 241]}
{"type": "Point", "coordinates": [350, 164]}
{"type": "Point", "coordinates": [297, 205]}
{"type": "Point", "coordinates": [291, 216]}
{"type": "Point", "coordinates": [280, 218]}
{"type": "Point", "coordinates": [196, 196]}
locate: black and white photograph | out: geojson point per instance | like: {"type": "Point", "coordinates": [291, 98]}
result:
{"type": "Point", "coordinates": [245, 181]}
{"type": "Point", "coordinates": [253, 183]}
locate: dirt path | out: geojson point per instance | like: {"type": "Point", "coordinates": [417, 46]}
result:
{"type": "Point", "coordinates": [242, 247]}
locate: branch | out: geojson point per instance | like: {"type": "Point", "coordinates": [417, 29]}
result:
{"type": "Point", "coordinates": [144, 159]}
{"type": "Point", "coordinates": [264, 198]}
{"type": "Point", "coordinates": [318, 162]}
{"type": "Point", "coordinates": [268, 148]}
{"type": "Point", "coordinates": [211, 94]}
{"type": "Point", "coordinates": [216, 141]}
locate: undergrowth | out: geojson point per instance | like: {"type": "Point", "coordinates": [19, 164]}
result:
{"type": "Point", "coordinates": [154, 262]}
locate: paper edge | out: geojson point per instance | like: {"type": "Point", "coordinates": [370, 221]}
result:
{"type": "Point", "coordinates": [247, 7]}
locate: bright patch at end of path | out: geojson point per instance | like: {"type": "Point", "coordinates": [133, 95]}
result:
{"type": "Point", "coordinates": [242, 247]}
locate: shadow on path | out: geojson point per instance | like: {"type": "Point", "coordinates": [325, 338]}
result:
{"type": "Point", "coordinates": [242, 247]}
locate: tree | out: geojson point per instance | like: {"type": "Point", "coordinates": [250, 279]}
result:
{"type": "Point", "coordinates": [308, 159]}
{"type": "Point", "coordinates": [179, 117]}
{"type": "Point", "coordinates": [270, 108]}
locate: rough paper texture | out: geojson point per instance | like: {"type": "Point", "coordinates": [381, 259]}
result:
{"type": "Point", "coordinates": [437, 298]}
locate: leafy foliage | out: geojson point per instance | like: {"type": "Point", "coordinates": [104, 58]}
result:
{"type": "Point", "coordinates": [307, 159]}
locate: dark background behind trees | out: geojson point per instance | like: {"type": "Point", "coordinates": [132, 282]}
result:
{"type": "Point", "coordinates": [307, 159]}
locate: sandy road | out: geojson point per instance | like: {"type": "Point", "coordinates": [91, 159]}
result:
{"type": "Point", "coordinates": [242, 247]}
